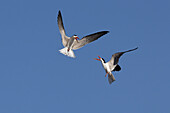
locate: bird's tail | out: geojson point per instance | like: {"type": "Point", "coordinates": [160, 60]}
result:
{"type": "Point", "coordinates": [111, 78]}
{"type": "Point", "coordinates": [67, 52]}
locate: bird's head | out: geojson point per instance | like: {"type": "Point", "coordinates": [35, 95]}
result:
{"type": "Point", "coordinates": [100, 59]}
{"type": "Point", "coordinates": [76, 37]}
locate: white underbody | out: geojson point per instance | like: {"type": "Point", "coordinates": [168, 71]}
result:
{"type": "Point", "coordinates": [68, 48]}
{"type": "Point", "coordinates": [108, 67]}
{"type": "Point", "coordinates": [69, 53]}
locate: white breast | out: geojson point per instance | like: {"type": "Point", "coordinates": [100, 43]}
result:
{"type": "Point", "coordinates": [107, 67]}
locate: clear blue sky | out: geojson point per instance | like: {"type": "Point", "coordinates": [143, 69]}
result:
{"type": "Point", "coordinates": [36, 78]}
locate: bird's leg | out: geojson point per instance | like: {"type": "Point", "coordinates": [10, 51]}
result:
{"type": "Point", "coordinates": [106, 74]}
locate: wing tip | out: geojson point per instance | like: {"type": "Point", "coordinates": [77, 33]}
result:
{"type": "Point", "coordinates": [59, 14]}
{"type": "Point", "coordinates": [136, 48]}
{"type": "Point", "coordinates": [105, 32]}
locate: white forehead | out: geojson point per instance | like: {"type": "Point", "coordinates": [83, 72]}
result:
{"type": "Point", "coordinates": [75, 36]}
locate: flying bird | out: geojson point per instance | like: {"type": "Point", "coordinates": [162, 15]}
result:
{"type": "Point", "coordinates": [72, 43]}
{"type": "Point", "coordinates": [112, 65]}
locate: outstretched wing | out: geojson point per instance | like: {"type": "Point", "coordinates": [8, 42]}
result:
{"type": "Point", "coordinates": [115, 57]}
{"type": "Point", "coordinates": [87, 39]}
{"type": "Point", "coordinates": [111, 78]}
{"type": "Point", "coordinates": [62, 30]}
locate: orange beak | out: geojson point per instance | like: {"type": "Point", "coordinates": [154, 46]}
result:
{"type": "Point", "coordinates": [77, 38]}
{"type": "Point", "coordinates": [97, 59]}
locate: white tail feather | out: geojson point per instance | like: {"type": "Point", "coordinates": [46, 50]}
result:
{"type": "Point", "coordinates": [69, 53]}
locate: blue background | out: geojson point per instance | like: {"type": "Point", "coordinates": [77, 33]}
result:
{"type": "Point", "coordinates": [36, 78]}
